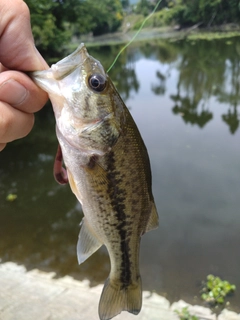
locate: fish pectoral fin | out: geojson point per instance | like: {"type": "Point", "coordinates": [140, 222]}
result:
{"type": "Point", "coordinates": [115, 299]}
{"type": "Point", "coordinates": [153, 220]}
{"type": "Point", "coordinates": [87, 243]}
{"type": "Point", "coordinates": [73, 186]}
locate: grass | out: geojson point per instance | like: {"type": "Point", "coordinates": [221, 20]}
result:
{"type": "Point", "coordinates": [185, 315]}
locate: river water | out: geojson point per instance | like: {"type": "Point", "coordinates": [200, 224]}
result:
{"type": "Point", "coordinates": [184, 97]}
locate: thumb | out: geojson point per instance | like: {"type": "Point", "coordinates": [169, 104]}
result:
{"type": "Point", "coordinates": [17, 49]}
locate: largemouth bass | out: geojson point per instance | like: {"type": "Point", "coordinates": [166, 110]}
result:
{"type": "Point", "coordinates": [108, 170]}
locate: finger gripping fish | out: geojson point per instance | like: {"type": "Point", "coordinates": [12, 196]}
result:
{"type": "Point", "coordinates": [108, 170]}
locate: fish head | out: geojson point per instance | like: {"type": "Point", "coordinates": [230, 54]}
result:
{"type": "Point", "coordinates": [83, 97]}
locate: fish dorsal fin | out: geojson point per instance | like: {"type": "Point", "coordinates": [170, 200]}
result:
{"type": "Point", "coordinates": [153, 220]}
{"type": "Point", "coordinates": [87, 242]}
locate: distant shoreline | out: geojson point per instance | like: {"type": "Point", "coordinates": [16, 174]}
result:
{"type": "Point", "coordinates": [194, 32]}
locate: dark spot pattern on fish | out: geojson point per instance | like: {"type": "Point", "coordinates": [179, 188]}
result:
{"type": "Point", "coordinates": [134, 202]}
{"type": "Point", "coordinates": [102, 132]}
{"type": "Point", "coordinates": [117, 196]}
{"type": "Point", "coordinates": [92, 161]}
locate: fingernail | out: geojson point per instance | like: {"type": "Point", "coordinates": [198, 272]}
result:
{"type": "Point", "coordinates": [13, 92]}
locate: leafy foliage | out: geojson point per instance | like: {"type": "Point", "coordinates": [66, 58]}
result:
{"type": "Point", "coordinates": [56, 22]}
{"type": "Point", "coordinates": [215, 290]}
{"type": "Point", "coordinates": [49, 31]}
{"type": "Point", "coordinates": [185, 315]}
{"type": "Point", "coordinates": [107, 15]}
{"type": "Point", "coordinates": [190, 12]}
{"type": "Point", "coordinates": [144, 7]}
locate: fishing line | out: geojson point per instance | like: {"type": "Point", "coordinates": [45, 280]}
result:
{"type": "Point", "coordinates": [136, 34]}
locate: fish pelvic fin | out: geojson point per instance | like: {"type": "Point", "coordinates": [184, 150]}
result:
{"type": "Point", "coordinates": [87, 242]}
{"type": "Point", "coordinates": [153, 220]}
{"type": "Point", "coordinates": [115, 299]}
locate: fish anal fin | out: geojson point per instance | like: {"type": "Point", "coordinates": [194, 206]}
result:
{"type": "Point", "coordinates": [87, 243]}
{"type": "Point", "coordinates": [115, 299]}
{"type": "Point", "coordinates": [153, 220]}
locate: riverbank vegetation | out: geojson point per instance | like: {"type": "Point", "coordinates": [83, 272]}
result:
{"type": "Point", "coordinates": [187, 13]}
{"type": "Point", "coordinates": [184, 314]}
{"type": "Point", "coordinates": [57, 23]}
{"type": "Point", "coordinates": [215, 290]}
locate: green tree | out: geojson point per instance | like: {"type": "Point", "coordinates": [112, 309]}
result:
{"type": "Point", "coordinates": [186, 13]}
{"type": "Point", "coordinates": [144, 7]}
{"type": "Point", "coordinates": [125, 3]}
{"type": "Point", "coordinates": [106, 15]}
{"type": "Point", "coordinates": [47, 34]}
{"type": "Point", "coordinates": [54, 23]}
{"type": "Point", "coordinates": [206, 12]}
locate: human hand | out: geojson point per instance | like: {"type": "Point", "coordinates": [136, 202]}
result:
{"type": "Point", "coordinates": [19, 95]}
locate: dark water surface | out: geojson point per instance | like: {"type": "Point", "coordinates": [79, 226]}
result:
{"type": "Point", "coordinates": [184, 97]}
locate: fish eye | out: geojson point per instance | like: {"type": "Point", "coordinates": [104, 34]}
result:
{"type": "Point", "coordinates": [97, 82]}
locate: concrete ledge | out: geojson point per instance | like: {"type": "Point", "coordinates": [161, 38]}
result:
{"type": "Point", "coordinates": [36, 295]}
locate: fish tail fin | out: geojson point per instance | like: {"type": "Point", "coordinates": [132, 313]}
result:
{"type": "Point", "coordinates": [115, 299]}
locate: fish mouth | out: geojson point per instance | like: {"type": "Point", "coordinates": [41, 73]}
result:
{"type": "Point", "coordinates": [50, 80]}
{"type": "Point", "coordinates": [62, 68]}
{"type": "Point", "coordinates": [70, 63]}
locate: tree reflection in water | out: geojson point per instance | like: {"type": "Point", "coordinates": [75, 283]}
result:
{"type": "Point", "coordinates": [206, 69]}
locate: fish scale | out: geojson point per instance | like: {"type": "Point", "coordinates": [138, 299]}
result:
{"type": "Point", "coordinates": [108, 170]}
